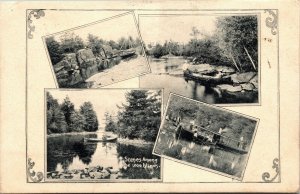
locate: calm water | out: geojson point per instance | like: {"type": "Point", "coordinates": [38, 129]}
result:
{"type": "Point", "coordinates": [177, 84]}
{"type": "Point", "coordinates": [207, 156]}
{"type": "Point", "coordinates": [69, 152]}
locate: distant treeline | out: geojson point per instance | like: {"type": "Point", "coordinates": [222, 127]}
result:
{"type": "Point", "coordinates": [211, 118]}
{"type": "Point", "coordinates": [64, 118]}
{"type": "Point", "coordinates": [71, 43]}
{"type": "Point", "coordinates": [139, 117]}
{"type": "Point", "coordinates": [234, 43]}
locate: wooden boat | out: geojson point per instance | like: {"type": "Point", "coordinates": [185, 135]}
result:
{"type": "Point", "coordinates": [206, 79]}
{"type": "Point", "coordinates": [124, 53]}
{"type": "Point", "coordinates": [208, 137]}
{"type": "Point", "coordinates": [104, 139]}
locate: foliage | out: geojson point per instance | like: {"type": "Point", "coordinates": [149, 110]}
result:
{"type": "Point", "coordinates": [67, 107]}
{"type": "Point", "coordinates": [54, 50]}
{"type": "Point", "coordinates": [211, 118]}
{"type": "Point", "coordinates": [90, 117]}
{"type": "Point", "coordinates": [63, 118]}
{"type": "Point", "coordinates": [56, 122]}
{"type": "Point", "coordinates": [110, 124]}
{"type": "Point", "coordinates": [233, 44]}
{"type": "Point", "coordinates": [235, 35]}
{"type": "Point", "coordinates": [140, 117]}
{"type": "Point", "coordinates": [71, 43]}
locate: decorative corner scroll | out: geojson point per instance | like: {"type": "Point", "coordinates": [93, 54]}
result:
{"type": "Point", "coordinates": [272, 21]}
{"type": "Point", "coordinates": [266, 175]}
{"type": "Point", "coordinates": [37, 13]}
{"type": "Point", "coordinates": [33, 176]}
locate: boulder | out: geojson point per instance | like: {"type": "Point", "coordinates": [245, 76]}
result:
{"type": "Point", "coordinates": [254, 81]}
{"type": "Point", "coordinates": [202, 68]}
{"type": "Point", "coordinates": [105, 174]}
{"type": "Point", "coordinates": [96, 175]}
{"type": "Point", "coordinates": [84, 56]}
{"type": "Point", "coordinates": [248, 86]}
{"type": "Point", "coordinates": [114, 176]}
{"type": "Point", "coordinates": [230, 88]}
{"type": "Point", "coordinates": [225, 69]}
{"type": "Point", "coordinates": [71, 58]}
{"type": "Point", "coordinates": [242, 77]}
{"type": "Point", "coordinates": [112, 171]}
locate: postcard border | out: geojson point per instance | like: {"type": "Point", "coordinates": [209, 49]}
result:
{"type": "Point", "coordinates": [192, 10]}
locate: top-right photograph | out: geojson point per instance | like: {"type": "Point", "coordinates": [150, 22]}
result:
{"type": "Point", "coordinates": [210, 58]}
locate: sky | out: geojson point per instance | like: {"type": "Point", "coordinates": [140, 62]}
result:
{"type": "Point", "coordinates": [112, 29]}
{"type": "Point", "coordinates": [103, 100]}
{"type": "Point", "coordinates": [158, 29]}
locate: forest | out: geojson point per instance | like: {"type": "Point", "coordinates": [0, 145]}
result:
{"type": "Point", "coordinates": [138, 118]}
{"type": "Point", "coordinates": [234, 43]}
{"type": "Point", "coordinates": [71, 43]}
{"type": "Point", "coordinates": [64, 118]}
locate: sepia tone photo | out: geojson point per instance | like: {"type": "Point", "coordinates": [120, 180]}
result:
{"type": "Point", "coordinates": [93, 55]}
{"type": "Point", "coordinates": [91, 139]}
{"type": "Point", "coordinates": [206, 136]}
{"type": "Point", "coordinates": [210, 58]}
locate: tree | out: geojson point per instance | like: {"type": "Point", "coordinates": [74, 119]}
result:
{"type": "Point", "coordinates": [140, 116]}
{"type": "Point", "coordinates": [77, 121]}
{"type": "Point", "coordinates": [71, 43]}
{"type": "Point", "coordinates": [237, 38]}
{"type": "Point", "coordinates": [110, 124]}
{"type": "Point", "coordinates": [90, 117]}
{"type": "Point", "coordinates": [55, 53]}
{"type": "Point", "coordinates": [67, 108]}
{"type": "Point", "coordinates": [95, 43]}
{"type": "Point", "coordinates": [56, 122]}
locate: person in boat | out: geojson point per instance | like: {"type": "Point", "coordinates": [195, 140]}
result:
{"type": "Point", "coordinates": [185, 65]}
{"type": "Point", "coordinates": [241, 142]}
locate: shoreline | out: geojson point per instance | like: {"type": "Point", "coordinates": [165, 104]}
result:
{"type": "Point", "coordinates": [72, 133]}
{"type": "Point", "coordinates": [120, 139]}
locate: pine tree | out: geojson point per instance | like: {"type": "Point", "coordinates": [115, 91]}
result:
{"type": "Point", "coordinates": [90, 117]}
{"type": "Point", "coordinates": [67, 108]}
{"type": "Point", "coordinates": [140, 117]}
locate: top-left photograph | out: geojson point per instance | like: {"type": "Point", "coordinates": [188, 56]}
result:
{"type": "Point", "coordinates": [97, 54]}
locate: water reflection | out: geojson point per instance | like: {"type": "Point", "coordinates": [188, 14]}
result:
{"type": "Point", "coordinates": [70, 152]}
{"type": "Point", "coordinates": [177, 84]}
{"type": "Point", "coordinates": [209, 156]}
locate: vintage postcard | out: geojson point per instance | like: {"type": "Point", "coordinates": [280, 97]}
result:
{"type": "Point", "coordinates": [84, 85]}
{"type": "Point", "coordinates": [91, 139]}
{"type": "Point", "coordinates": [213, 58]}
{"type": "Point", "coordinates": [206, 136]}
{"type": "Point", "coordinates": [92, 56]}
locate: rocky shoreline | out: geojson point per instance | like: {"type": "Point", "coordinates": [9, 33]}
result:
{"type": "Point", "coordinates": [239, 82]}
{"type": "Point", "coordinates": [97, 172]}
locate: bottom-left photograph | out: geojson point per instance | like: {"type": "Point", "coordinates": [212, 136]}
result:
{"type": "Point", "coordinates": [102, 134]}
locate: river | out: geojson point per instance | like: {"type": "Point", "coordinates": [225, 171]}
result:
{"type": "Point", "coordinates": [160, 78]}
{"type": "Point", "coordinates": [70, 152]}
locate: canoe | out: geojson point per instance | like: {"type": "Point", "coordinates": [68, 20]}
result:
{"type": "Point", "coordinates": [107, 139]}
{"type": "Point", "coordinates": [206, 79]}
{"type": "Point", "coordinates": [207, 137]}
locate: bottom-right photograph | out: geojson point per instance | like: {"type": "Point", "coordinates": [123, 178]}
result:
{"type": "Point", "coordinates": [206, 136]}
